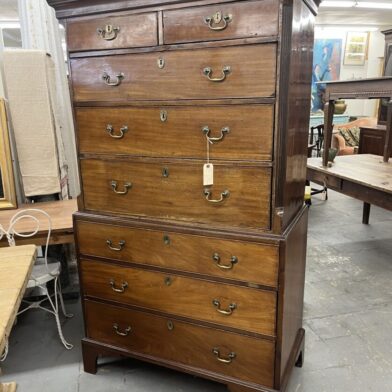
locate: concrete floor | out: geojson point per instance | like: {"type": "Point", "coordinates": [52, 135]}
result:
{"type": "Point", "coordinates": [348, 321]}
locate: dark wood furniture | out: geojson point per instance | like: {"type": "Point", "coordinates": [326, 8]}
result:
{"type": "Point", "coordinates": [372, 140]}
{"type": "Point", "coordinates": [383, 113]}
{"type": "Point", "coordinates": [364, 177]}
{"type": "Point", "coordinates": [204, 279]}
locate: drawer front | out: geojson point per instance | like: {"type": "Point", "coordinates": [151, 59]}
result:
{"type": "Point", "coordinates": [223, 21]}
{"type": "Point", "coordinates": [175, 191]}
{"type": "Point", "coordinates": [113, 32]}
{"type": "Point", "coordinates": [247, 309]}
{"type": "Point", "coordinates": [248, 72]}
{"type": "Point", "coordinates": [185, 343]}
{"type": "Point", "coordinates": [249, 262]}
{"type": "Point", "coordinates": [237, 132]}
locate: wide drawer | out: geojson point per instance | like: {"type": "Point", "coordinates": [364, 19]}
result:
{"type": "Point", "coordinates": [246, 358]}
{"type": "Point", "coordinates": [112, 32]}
{"type": "Point", "coordinates": [238, 260]}
{"type": "Point", "coordinates": [240, 196]}
{"type": "Point", "coordinates": [239, 307]}
{"type": "Point", "coordinates": [231, 72]}
{"type": "Point", "coordinates": [222, 21]}
{"type": "Point", "coordinates": [237, 132]}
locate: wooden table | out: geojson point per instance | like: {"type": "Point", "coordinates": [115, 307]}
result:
{"type": "Point", "coordinates": [16, 264]}
{"type": "Point", "coordinates": [364, 177]}
{"type": "Point", "coordinates": [61, 212]}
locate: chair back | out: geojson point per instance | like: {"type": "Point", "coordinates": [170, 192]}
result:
{"type": "Point", "coordinates": [34, 215]}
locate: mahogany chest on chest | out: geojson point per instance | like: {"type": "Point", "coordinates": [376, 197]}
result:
{"type": "Point", "coordinates": [199, 274]}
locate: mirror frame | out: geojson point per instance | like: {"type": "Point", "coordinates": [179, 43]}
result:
{"type": "Point", "coordinates": [7, 172]}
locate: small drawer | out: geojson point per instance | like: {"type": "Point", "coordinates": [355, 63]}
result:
{"type": "Point", "coordinates": [240, 196]}
{"type": "Point", "coordinates": [244, 308]}
{"type": "Point", "coordinates": [112, 32]}
{"type": "Point", "coordinates": [230, 354]}
{"type": "Point", "coordinates": [213, 73]}
{"type": "Point", "coordinates": [237, 132]}
{"type": "Point", "coordinates": [222, 21]}
{"type": "Point", "coordinates": [236, 260]}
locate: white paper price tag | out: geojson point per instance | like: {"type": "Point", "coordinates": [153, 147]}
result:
{"type": "Point", "coordinates": [208, 174]}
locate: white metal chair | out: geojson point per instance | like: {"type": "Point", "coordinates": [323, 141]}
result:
{"type": "Point", "coordinates": [43, 272]}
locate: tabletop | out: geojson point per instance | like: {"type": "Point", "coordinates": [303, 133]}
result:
{"type": "Point", "coordinates": [16, 264]}
{"type": "Point", "coordinates": [60, 211]}
{"type": "Point", "coordinates": [365, 169]}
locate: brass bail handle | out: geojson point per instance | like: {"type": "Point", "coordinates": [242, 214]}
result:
{"type": "Point", "coordinates": [120, 135]}
{"type": "Point", "coordinates": [112, 284]}
{"type": "Point", "coordinates": [224, 195]}
{"type": "Point", "coordinates": [108, 32]}
{"type": "Point", "coordinates": [118, 248]}
{"type": "Point", "coordinates": [226, 312]}
{"type": "Point", "coordinates": [108, 79]}
{"type": "Point", "coordinates": [126, 332]}
{"type": "Point", "coordinates": [214, 22]}
{"type": "Point", "coordinates": [224, 131]}
{"type": "Point", "coordinates": [217, 259]}
{"type": "Point", "coordinates": [114, 186]}
{"type": "Point", "coordinates": [218, 356]}
{"type": "Point", "coordinates": [207, 71]}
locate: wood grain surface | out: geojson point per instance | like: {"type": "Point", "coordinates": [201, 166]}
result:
{"type": "Point", "coordinates": [248, 19]}
{"type": "Point", "coordinates": [180, 196]}
{"type": "Point", "coordinates": [252, 75]}
{"type": "Point", "coordinates": [182, 342]}
{"type": "Point", "coordinates": [256, 263]}
{"type": "Point", "coordinates": [255, 309]}
{"type": "Point", "coordinates": [180, 135]}
{"type": "Point", "coordinates": [134, 31]}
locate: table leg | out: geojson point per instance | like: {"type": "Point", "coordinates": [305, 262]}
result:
{"type": "Point", "coordinates": [329, 110]}
{"type": "Point", "coordinates": [366, 213]}
{"type": "Point", "coordinates": [388, 139]}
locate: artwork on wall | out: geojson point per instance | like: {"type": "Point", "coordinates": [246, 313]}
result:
{"type": "Point", "coordinates": [327, 58]}
{"type": "Point", "coordinates": [356, 49]}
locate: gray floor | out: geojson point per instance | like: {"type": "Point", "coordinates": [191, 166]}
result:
{"type": "Point", "coordinates": [348, 321]}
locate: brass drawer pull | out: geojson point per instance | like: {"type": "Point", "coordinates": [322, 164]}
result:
{"type": "Point", "coordinates": [127, 186]}
{"type": "Point", "coordinates": [214, 21]}
{"type": "Point", "coordinates": [118, 332]}
{"type": "Point", "coordinates": [110, 131]}
{"type": "Point", "coordinates": [228, 360]}
{"type": "Point", "coordinates": [208, 73]}
{"type": "Point", "coordinates": [227, 312]}
{"type": "Point", "coordinates": [206, 130]}
{"type": "Point", "coordinates": [107, 79]}
{"type": "Point", "coordinates": [217, 259]}
{"type": "Point", "coordinates": [112, 284]}
{"type": "Point", "coordinates": [120, 247]}
{"type": "Point", "coordinates": [108, 33]}
{"type": "Point", "coordinates": [224, 195]}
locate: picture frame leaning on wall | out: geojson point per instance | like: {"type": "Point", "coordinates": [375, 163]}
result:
{"type": "Point", "coordinates": [7, 181]}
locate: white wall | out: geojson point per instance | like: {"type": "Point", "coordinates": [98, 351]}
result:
{"type": "Point", "coordinates": [370, 69]}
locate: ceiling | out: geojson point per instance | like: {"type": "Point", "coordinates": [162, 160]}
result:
{"type": "Point", "coordinates": [355, 16]}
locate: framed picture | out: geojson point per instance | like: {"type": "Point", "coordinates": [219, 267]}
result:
{"type": "Point", "coordinates": [356, 48]}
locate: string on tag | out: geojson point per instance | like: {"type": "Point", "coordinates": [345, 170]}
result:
{"type": "Point", "coordinates": [208, 148]}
